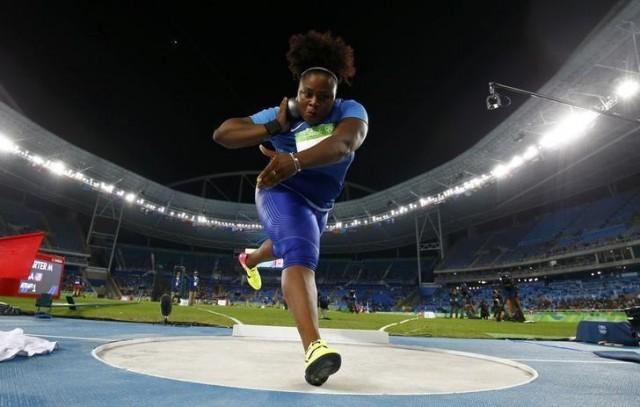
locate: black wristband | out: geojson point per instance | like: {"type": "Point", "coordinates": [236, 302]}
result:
{"type": "Point", "coordinates": [273, 127]}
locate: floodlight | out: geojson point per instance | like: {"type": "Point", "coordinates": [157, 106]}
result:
{"type": "Point", "coordinates": [530, 153]}
{"type": "Point", "coordinates": [500, 171]}
{"type": "Point", "coordinates": [627, 88]}
{"type": "Point", "coordinates": [6, 145]}
{"type": "Point", "coordinates": [568, 129]}
{"type": "Point", "coordinates": [37, 160]}
{"type": "Point", "coordinates": [108, 188]}
{"type": "Point", "coordinates": [515, 162]}
{"type": "Point", "coordinates": [58, 167]}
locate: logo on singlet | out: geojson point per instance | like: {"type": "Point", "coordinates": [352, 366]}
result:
{"type": "Point", "coordinates": [308, 138]}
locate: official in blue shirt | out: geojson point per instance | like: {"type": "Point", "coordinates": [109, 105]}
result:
{"type": "Point", "coordinates": [193, 287]}
{"type": "Point", "coordinates": [315, 140]}
{"type": "Point", "coordinates": [195, 281]}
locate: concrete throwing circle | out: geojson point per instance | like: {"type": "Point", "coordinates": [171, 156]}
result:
{"type": "Point", "coordinates": [279, 366]}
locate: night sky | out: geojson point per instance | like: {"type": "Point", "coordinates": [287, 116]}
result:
{"type": "Point", "coordinates": [145, 84]}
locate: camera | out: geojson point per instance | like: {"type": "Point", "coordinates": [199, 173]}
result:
{"type": "Point", "coordinates": [511, 301]}
{"type": "Point", "coordinates": [506, 280]}
{"type": "Point", "coordinates": [633, 316]}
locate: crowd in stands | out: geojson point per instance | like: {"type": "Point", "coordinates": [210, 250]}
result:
{"type": "Point", "coordinates": [604, 291]}
{"type": "Point", "coordinates": [601, 222]}
{"type": "Point", "coordinates": [62, 230]}
{"type": "Point", "coordinates": [370, 297]}
{"type": "Point", "coordinates": [380, 284]}
{"type": "Point", "coordinates": [387, 284]}
{"type": "Point", "coordinates": [620, 302]}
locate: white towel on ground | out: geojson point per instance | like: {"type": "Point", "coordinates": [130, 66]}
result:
{"type": "Point", "coordinates": [16, 343]}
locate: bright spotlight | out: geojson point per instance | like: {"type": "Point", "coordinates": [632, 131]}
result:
{"type": "Point", "coordinates": [6, 144]}
{"type": "Point", "coordinates": [568, 129]}
{"type": "Point", "coordinates": [515, 162]}
{"type": "Point", "coordinates": [500, 171]}
{"type": "Point", "coordinates": [530, 153]}
{"type": "Point", "coordinates": [130, 197]}
{"type": "Point", "coordinates": [627, 88]}
{"type": "Point", "coordinates": [58, 168]}
{"type": "Point", "coordinates": [108, 188]}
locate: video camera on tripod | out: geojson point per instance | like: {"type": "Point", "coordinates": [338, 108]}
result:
{"type": "Point", "coordinates": [509, 287]}
{"type": "Point", "coordinates": [513, 309]}
{"type": "Point", "coordinates": [633, 316]}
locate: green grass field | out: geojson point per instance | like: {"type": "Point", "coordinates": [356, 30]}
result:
{"type": "Point", "coordinates": [411, 325]}
{"type": "Point", "coordinates": [476, 328]}
{"type": "Point", "coordinates": [203, 314]}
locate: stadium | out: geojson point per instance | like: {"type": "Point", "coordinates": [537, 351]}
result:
{"type": "Point", "coordinates": [507, 273]}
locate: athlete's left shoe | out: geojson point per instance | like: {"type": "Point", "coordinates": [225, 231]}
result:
{"type": "Point", "coordinates": [253, 275]}
{"type": "Point", "coordinates": [320, 362]}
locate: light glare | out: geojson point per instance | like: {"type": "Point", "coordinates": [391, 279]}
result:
{"type": "Point", "coordinates": [6, 144]}
{"type": "Point", "coordinates": [58, 168]}
{"type": "Point", "coordinates": [627, 88]}
{"type": "Point", "coordinates": [500, 171]}
{"type": "Point", "coordinates": [568, 129]}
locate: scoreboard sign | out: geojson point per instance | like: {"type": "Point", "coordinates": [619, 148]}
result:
{"type": "Point", "coordinates": [45, 277]}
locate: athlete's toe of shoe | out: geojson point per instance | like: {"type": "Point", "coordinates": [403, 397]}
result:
{"type": "Point", "coordinates": [320, 369]}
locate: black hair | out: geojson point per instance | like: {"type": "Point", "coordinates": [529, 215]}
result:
{"type": "Point", "coordinates": [321, 49]}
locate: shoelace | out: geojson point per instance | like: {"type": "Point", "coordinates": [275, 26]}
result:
{"type": "Point", "coordinates": [314, 346]}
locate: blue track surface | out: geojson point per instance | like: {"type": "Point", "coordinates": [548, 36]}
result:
{"type": "Point", "coordinates": [570, 374]}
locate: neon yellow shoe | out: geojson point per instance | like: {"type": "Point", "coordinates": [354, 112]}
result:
{"type": "Point", "coordinates": [253, 275]}
{"type": "Point", "coordinates": [320, 362]}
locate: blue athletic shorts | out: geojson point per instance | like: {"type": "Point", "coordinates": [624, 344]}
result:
{"type": "Point", "coordinates": [292, 224]}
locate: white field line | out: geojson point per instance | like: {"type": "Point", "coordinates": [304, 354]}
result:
{"type": "Point", "coordinates": [237, 321]}
{"type": "Point", "coordinates": [397, 323]}
{"type": "Point", "coordinates": [79, 338]}
{"type": "Point", "coordinates": [570, 361]}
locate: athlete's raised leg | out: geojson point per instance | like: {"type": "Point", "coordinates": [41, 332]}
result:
{"type": "Point", "coordinates": [263, 253]}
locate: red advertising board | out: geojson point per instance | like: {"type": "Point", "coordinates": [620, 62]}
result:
{"type": "Point", "coordinates": [26, 272]}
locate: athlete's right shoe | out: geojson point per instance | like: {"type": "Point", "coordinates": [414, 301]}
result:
{"type": "Point", "coordinates": [253, 275]}
{"type": "Point", "coordinates": [320, 362]}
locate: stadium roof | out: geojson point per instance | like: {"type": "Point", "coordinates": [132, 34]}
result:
{"type": "Point", "coordinates": [606, 152]}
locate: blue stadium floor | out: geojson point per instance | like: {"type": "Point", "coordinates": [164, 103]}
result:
{"type": "Point", "coordinates": [570, 374]}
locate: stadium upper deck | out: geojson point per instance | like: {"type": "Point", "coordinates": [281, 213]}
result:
{"type": "Point", "coordinates": [522, 163]}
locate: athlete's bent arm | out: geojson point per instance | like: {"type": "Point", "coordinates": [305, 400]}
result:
{"type": "Point", "coordinates": [346, 138]}
{"type": "Point", "coordinates": [243, 132]}
{"type": "Point", "coordinates": [240, 132]}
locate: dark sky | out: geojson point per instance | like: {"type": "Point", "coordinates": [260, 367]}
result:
{"type": "Point", "coordinates": [145, 84]}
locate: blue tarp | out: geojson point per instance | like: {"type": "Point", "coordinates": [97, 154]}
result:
{"type": "Point", "coordinates": [609, 332]}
